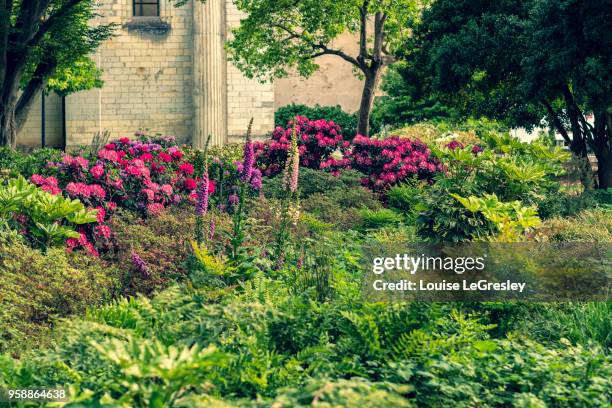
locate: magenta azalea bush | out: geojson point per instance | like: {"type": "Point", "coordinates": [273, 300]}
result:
{"type": "Point", "coordinates": [389, 161]}
{"type": "Point", "coordinates": [321, 145]}
{"type": "Point", "coordinates": [142, 176]}
{"type": "Point", "coordinates": [318, 140]}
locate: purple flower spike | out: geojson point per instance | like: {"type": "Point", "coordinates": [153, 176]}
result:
{"type": "Point", "coordinates": [140, 265]}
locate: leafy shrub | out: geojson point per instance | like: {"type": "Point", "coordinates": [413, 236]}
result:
{"type": "Point", "coordinates": [375, 219]}
{"type": "Point", "coordinates": [162, 243]}
{"type": "Point", "coordinates": [341, 207]}
{"type": "Point", "coordinates": [406, 198]}
{"type": "Point", "coordinates": [313, 181]}
{"type": "Point", "coordinates": [391, 161]}
{"type": "Point", "coordinates": [27, 164]}
{"type": "Point", "coordinates": [566, 205]}
{"type": "Point", "coordinates": [347, 122]}
{"type": "Point", "coordinates": [443, 219]}
{"type": "Point", "coordinates": [511, 170]}
{"type": "Point", "coordinates": [37, 287]}
{"type": "Point", "coordinates": [511, 219]}
{"type": "Point", "coordinates": [46, 219]}
{"type": "Point", "coordinates": [318, 140]}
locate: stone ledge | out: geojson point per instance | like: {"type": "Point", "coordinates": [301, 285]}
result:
{"type": "Point", "coordinates": [147, 25]}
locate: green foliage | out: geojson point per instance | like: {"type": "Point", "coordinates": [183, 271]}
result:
{"type": "Point", "coordinates": [37, 287]}
{"type": "Point", "coordinates": [520, 62]}
{"type": "Point", "coordinates": [375, 219]}
{"type": "Point", "coordinates": [230, 152]}
{"type": "Point", "coordinates": [62, 55]}
{"type": "Point", "coordinates": [580, 322]}
{"type": "Point", "coordinates": [406, 101]}
{"type": "Point", "coordinates": [314, 181]}
{"type": "Point", "coordinates": [162, 242]}
{"type": "Point", "coordinates": [48, 219]}
{"type": "Point", "coordinates": [347, 122]}
{"type": "Point", "coordinates": [512, 219]}
{"type": "Point", "coordinates": [342, 208]}
{"type": "Point", "coordinates": [18, 163]}
{"type": "Point", "coordinates": [511, 170]}
{"type": "Point", "coordinates": [261, 341]}
{"type": "Point", "coordinates": [246, 332]}
{"type": "Point", "coordinates": [277, 36]}
{"type": "Point", "coordinates": [587, 226]}
{"type": "Point", "coordinates": [566, 205]}
{"type": "Point", "coordinates": [80, 75]}
{"type": "Point", "coordinates": [441, 218]}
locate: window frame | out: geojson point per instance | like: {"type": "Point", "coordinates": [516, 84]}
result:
{"type": "Point", "coordinates": [140, 3]}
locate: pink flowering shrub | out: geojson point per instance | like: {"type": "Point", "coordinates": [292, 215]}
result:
{"type": "Point", "coordinates": [389, 161]}
{"type": "Point", "coordinates": [142, 176]}
{"type": "Point", "coordinates": [321, 146]}
{"type": "Point", "coordinates": [317, 141]}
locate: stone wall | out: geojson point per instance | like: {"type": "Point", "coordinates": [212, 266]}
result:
{"type": "Point", "coordinates": [246, 98]}
{"type": "Point", "coordinates": [148, 73]}
{"type": "Point", "coordinates": [30, 134]}
{"type": "Point", "coordinates": [333, 84]}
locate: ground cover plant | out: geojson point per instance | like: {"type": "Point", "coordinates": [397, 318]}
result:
{"type": "Point", "coordinates": [232, 277]}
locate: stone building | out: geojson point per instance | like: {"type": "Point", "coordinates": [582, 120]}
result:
{"type": "Point", "coordinates": [166, 70]}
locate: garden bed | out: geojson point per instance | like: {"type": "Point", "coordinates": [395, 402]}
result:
{"type": "Point", "coordinates": [232, 276]}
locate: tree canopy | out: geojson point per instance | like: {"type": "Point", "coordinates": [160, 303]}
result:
{"type": "Point", "coordinates": [281, 35]}
{"type": "Point", "coordinates": [523, 61]}
{"type": "Point", "coordinates": [44, 44]}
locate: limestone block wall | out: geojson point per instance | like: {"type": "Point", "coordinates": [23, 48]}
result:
{"type": "Point", "coordinates": [31, 132]}
{"type": "Point", "coordinates": [246, 98]}
{"type": "Point", "coordinates": [333, 84]}
{"type": "Point", "coordinates": [148, 77]}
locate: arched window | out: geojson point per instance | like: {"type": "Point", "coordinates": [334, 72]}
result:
{"type": "Point", "coordinates": [146, 8]}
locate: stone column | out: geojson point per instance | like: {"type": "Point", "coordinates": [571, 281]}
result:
{"type": "Point", "coordinates": [209, 72]}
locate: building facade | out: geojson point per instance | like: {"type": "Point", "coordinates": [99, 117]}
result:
{"type": "Point", "coordinates": [166, 70]}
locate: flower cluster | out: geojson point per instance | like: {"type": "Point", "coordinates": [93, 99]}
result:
{"type": "Point", "coordinates": [228, 176]}
{"type": "Point", "coordinates": [389, 161]}
{"type": "Point", "coordinates": [48, 184]}
{"type": "Point", "coordinates": [318, 140]}
{"type": "Point", "coordinates": [455, 144]}
{"type": "Point", "coordinates": [140, 175]}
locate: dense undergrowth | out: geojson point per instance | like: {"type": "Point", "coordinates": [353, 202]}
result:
{"type": "Point", "coordinates": [267, 309]}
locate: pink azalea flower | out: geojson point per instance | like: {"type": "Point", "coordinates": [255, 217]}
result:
{"type": "Point", "coordinates": [149, 194]}
{"type": "Point", "coordinates": [186, 168]}
{"type": "Point", "coordinates": [166, 189]}
{"type": "Point", "coordinates": [97, 171]}
{"type": "Point", "coordinates": [100, 215]}
{"type": "Point", "coordinates": [155, 208]}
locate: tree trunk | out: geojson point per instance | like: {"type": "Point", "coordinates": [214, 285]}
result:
{"type": "Point", "coordinates": [604, 170]}
{"type": "Point", "coordinates": [367, 100]}
{"type": "Point", "coordinates": [8, 127]}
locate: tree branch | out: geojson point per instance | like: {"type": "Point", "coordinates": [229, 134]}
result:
{"type": "Point", "coordinates": [324, 49]}
{"type": "Point", "coordinates": [329, 51]}
{"type": "Point", "coordinates": [557, 122]}
{"type": "Point", "coordinates": [51, 21]}
{"type": "Point", "coordinates": [363, 34]}
{"type": "Point", "coordinates": [379, 34]}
